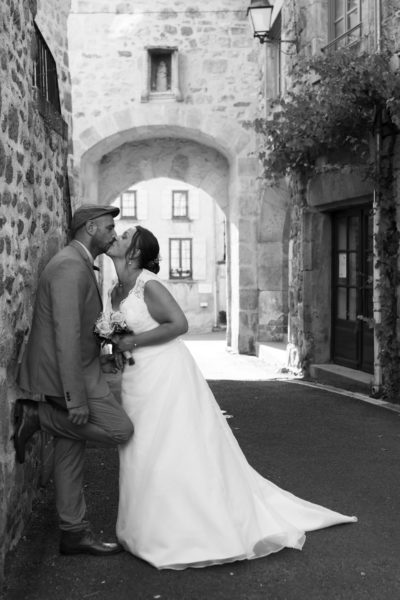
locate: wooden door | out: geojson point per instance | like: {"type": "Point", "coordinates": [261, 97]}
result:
{"type": "Point", "coordinates": [352, 339]}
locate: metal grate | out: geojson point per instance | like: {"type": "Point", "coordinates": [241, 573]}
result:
{"type": "Point", "coordinates": [349, 38]}
{"type": "Point", "coordinates": [45, 73]}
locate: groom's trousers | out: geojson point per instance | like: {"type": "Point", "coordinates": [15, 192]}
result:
{"type": "Point", "coordinates": [108, 425]}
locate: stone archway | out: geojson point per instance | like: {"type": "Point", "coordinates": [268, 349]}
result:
{"type": "Point", "coordinates": [194, 139]}
{"type": "Point", "coordinates": [176, 158]}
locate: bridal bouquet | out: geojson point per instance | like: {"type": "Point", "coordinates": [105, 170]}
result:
{"type": "Point", "coordinates": [109, 324]}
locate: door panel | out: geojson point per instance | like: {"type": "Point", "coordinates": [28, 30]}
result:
{"type": "Point", "coordinates": [352, 337]}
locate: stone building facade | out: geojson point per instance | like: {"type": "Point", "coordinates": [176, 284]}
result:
{"type": "Point", "coordinates": [34, 212]}
{"type": "Point", "coordinates": [189, 124]}
{"type": "Point", "coordinates": [192, 246]}
{"type": "Point", "coordinates": [333, 219]}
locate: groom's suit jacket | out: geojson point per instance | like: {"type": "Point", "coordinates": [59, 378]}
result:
{"type": "Point", "coordinates": [62, 354]}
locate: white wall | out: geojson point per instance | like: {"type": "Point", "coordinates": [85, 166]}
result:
{"type": "Point", "coordinates": [203, 296]}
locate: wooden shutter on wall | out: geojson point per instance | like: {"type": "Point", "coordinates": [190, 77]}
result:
{"type": "Point", "coordinates": [199, 258]}
{"type": "Point", "coordinates": [164, 263]}
{"type": "Point", "coordinates": [166, 208]}
{"type": "Point", "coordinates": [141, 204]}
{"type": "Point", "coordinates": [194, 208]}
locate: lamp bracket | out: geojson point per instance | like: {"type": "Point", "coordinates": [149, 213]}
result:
{"type": "Point", "coordinates": [266, 38]}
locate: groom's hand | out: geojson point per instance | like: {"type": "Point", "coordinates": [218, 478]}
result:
{"type": "Point", "coordinates": [108, 363]}
{"type": "Point", "coordinates": [78, 415]}
{"type": "Point", "coordinates": [119, 360]}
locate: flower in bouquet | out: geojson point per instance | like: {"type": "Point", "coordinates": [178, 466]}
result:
{"type": "Point", "coordinates": [112, 323]}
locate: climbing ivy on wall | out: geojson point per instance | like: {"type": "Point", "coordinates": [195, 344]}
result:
{"type": "Point", "coordinates": [337, 106]}
{"type": "Point", "coordinates": [332, 105]}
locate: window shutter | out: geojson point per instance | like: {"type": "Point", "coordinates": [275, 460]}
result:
{"type": "Point", "coordinates": [141, 204]}
{"type": "Point", "coordinates": [166, 208]}
{"type": "Point", "coordinates": [199, 259]}
{"type": "Point", "coordinates": [194, 209]}
{"type": "Point", "coordinates": [164, 263]}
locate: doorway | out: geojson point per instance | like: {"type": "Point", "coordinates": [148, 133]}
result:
{"type": "Point", "coordinates": [352, 305]}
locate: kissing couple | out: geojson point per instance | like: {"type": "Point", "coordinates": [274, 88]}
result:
{"type": "Point", "coordinates": [187, 495]}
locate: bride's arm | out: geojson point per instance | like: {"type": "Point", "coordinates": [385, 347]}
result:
{"type": "Point", "coordinates": [166, 311]}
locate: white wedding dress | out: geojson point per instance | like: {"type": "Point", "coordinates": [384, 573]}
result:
{"type": "Point", "coordinates": [188, 497]}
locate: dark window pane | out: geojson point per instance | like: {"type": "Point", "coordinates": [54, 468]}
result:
{"type": "Point", "coordinates": [341, 303]}
{"type": "Point", "coordinates": [354, 226]}
{"type": "Point", "coordinates": [352, 304]}
{"type": "Point", "coordinates": [353, 268]}
{"type": "Point", "coordinates": [342, 234]}
{"type": "Point", "coordinates": [45, 78]}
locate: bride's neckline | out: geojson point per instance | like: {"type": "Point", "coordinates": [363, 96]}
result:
{"type": "Point", "coordinates": [132, 284]}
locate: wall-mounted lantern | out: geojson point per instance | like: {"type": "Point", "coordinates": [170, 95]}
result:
{"type": "Point", "coordinates": [260, 13]}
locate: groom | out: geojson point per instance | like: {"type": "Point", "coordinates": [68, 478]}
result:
{"type": "Point", "coordinates": [62, 362]}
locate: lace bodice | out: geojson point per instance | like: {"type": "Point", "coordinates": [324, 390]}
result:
{"type": "Point", "coordinates": [134, 307]}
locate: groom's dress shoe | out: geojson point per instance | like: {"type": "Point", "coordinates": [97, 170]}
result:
{"type": "Point", "coordinates": [26, 421]}
{"type": "Point", "coordinates": [86, 542]}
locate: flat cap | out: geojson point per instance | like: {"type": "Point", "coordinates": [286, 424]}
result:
{"type": "Point", "coordinates": [87, 212]}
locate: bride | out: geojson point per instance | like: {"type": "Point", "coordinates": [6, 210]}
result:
{"type": "Point", "coordinates": [188, 496]}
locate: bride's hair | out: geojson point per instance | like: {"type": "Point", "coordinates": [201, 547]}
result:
{"type": "Point", "coordinates": [147, 243]}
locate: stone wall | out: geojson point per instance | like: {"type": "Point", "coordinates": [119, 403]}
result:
{"type": "Point", "coordinates": [33, 160]}
{"type": "Point", "coordinates": [108, 41]}
{"type": "Point", "coordinates": [310, 297]}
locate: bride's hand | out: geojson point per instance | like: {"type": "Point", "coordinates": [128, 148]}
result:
{"type": "Point", "coordinates": [123, 342]}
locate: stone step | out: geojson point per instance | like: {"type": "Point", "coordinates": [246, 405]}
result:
{"type": "Point", "coordinates": [342, 377]}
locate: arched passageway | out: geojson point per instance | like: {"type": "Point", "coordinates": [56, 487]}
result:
{"type": "Point", "coordinates": [134, 146]}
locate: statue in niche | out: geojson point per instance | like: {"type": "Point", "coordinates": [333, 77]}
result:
{"type": "Point", "coordinates": [160, 80]}
{"type": "Point", "coordinates": [162, 77]}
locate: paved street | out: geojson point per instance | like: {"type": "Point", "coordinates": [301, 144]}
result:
{"type": "Point", "coordinates": [332, 449]}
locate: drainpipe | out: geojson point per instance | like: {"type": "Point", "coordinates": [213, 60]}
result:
{"type": "Point", "coordinates": [215, 267]}
{"type": "Point", "coordinates": [377, 385]}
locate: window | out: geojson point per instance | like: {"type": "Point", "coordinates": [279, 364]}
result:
{"type": "Point", "coordinates": [344, 23]}
{"type": "Point", "coordinates": [161, 75]}
{"type": "Point", "coordinates": [128, 205]}
{"type": "Point", "coordinates": [45, 73]}
{"type": "Point", "coordinates": [276, 56]}
{"type": "Point", "coordinates": [180, 204]}
{"type": "Point", "coordinates": [180, 258]}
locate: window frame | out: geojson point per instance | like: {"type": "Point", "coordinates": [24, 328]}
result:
{"type": "Point", "coordinates": [173, 92]}
{"type": "Point", "coordinates": [180, 217]}
{"type": "Point", "coordinates": [276, 36]}
{"type": "Point", "coordinates": [133, 193]}
{"type": "Point", "coordinates": [179, 276]}
{"type": "Point", "coordinates": [344, 39]}
{"type": "Point", "coordinates": [45, 78]}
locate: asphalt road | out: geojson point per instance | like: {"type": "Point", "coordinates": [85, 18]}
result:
{"type": "Point", "coordinates": [327, 448]}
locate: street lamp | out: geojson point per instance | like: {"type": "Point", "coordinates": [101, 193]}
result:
{"type": "Point", "coordinates": [260, 12]}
